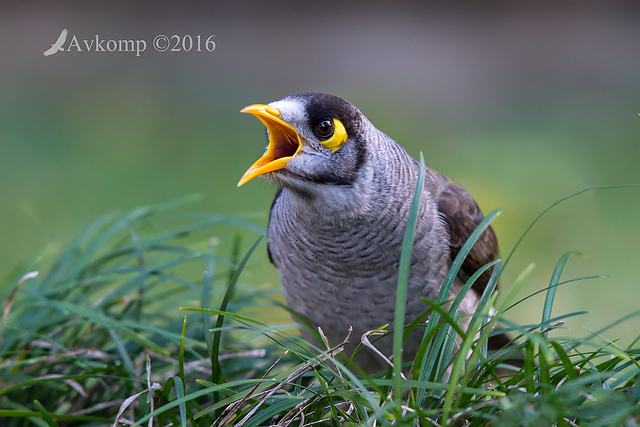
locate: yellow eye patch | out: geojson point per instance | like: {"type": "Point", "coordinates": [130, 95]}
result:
{"type": "Point", "coordinates": [338, 138]}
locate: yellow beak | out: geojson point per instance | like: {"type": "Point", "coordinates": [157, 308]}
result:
{"type": "Point", "coordinates": [284, 142]}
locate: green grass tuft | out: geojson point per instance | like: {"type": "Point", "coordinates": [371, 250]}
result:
{"type": "Point", "coordinates": [98, 337]}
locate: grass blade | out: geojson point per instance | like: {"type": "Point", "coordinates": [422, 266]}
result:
{"type": "Point", "coordinates": [180, 393]}
{"type": "Point", "coordinates": [553, 286]}
{"type": "Point", "coordinates": [124, 355]}
{"type": "Point", "coordinates": [216, 373]}
{"type": "Point", "coordinates": [46, 416]}
{"type": "Point", "coordinates": [206, 289]}
{"type": "Point", "coordinates": [403, 279]}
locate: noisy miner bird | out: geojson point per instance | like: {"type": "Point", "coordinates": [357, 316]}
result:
{"type": "Point", "coordinates": [338, 219]}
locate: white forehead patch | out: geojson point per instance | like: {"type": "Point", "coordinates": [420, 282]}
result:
{"type": "Point", "coordinates": [291, 111]}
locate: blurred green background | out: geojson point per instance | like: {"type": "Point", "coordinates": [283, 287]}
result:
{"type": "Point", "coordinates": [521, 103]}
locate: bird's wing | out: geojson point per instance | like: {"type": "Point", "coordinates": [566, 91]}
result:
{"type": "Point", "coordinates": [462, 215]}
{"type": "Point", "coordinates": [50, 51]}
{"type": "Point", "coordinates": [61, 38]}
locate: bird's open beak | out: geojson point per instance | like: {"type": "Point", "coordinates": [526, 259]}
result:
{"type": "Point", "coordinates": [284, 142]}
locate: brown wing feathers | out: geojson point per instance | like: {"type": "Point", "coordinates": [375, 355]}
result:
{"type": "Point", "coordinates": [462, 215]}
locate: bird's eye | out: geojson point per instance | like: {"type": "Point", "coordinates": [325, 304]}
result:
{"type": "Point", "coordinates": [331, 133]}
{"type": "Point", "coordinates": [324, 129]}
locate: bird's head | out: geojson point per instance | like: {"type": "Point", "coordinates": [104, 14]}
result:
{"type": "Point", "coordinates": [314, 139]}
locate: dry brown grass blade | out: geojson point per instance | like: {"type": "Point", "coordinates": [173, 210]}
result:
{"type": "Point", "coordinates": [364, 339]}
{"type": "Point", "coordinates": [128, 401]}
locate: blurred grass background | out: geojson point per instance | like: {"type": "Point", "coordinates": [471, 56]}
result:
{"type": "Point", "coordinates": [521, 103]}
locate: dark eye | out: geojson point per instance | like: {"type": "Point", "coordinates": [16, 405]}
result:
{"type": "Point", "coordinates": [324, 129]}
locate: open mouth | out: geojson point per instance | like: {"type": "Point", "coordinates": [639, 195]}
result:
{"type": "Point", "coordinates": [284, 142]}
{"type": "Point", "coordinates": [285, 146]}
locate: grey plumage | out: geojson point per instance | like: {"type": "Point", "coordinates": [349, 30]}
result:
{"type": "Point", "coordinates": [337, 223]}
